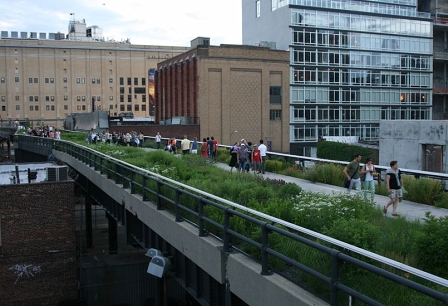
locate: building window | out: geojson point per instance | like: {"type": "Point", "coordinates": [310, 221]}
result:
{"type": "Point", "coordinates": [83, 107]}
{"type": "Point", "coordinates": [275, 114]}
{"type": "Point", "coordinates": [31, 98]}
{"type": "Point", "coordinates": [78, 107]}
{"type": "Point", "coordinates": [36, 80]}
{"type": "Point", "coordinates": [78, 98]}
{"type": "Point", "coordinates": [257, 8]}
{"type": "Point", "coordinates": [78, 80]}
{"type": "Point", "coordinates": [275, 94]}
{"type": "Point", "coordinates": [47, 80]}
{"type": "Point", "coordinates": [143, 98]}
{"type": "Point", "coordinates": [52, 98]}
{"type": "Point", "coordinates": [17, 107]}
{"type": "Point", "coordinates": [2, 80]}
{"type": "Point", "coordinates": [111, 106]}
{"type": "Point", "coordinates": [121, 108]}
{"type": "Point", "coordinates": [129, 98]}
{"type": "Point", "coordinates": [64, 80]}
{"type": "Point", "coordinates": [17, 98]}
{"type": "Point", "coordinates": [122, 90]}
{"type": "Point", "coordinates": [98, 107]}
{"type": "Point", "coordinates": [52, 107]}
{"type": "Point", "coordinates": [36, 107]}
{"type": "Point", "coordinates": [65, 107]}
{"type": "Point", "coordinates": [47, 98]}
{"type": "Point", "coordinates": [30, 80]}
{"type": "Point", "coordinates": [3, 108]}
{"type": "Point", "coordinates": [136, 107]}
{"type": "Point", "coordinates": [52, 80]}
{"type": "Point", "coordinates": [111, 80]}
{"type": "Point", "coordinates": [143, 107]}
{"type": "Point", "coordinates": [47, 107]}
{"type": "Point", "coordinates": [93, 81]}
{"type": "Point", "coordinates": [121, 81]}
{"type": "Point", "coordinates": [66, 98]}
{"type": "Point", "coordinates": [111, 98]}
{"type": "Point", "coordinates": [98, 81]}
{"type": "Point", "coordinates": [98, 98]}
{"type": "Point", "coordinates": [83, 98]}
{"type": "Point", "coordinates": [135, 81]}
{"type": "Point", "coordinates": [31, 108]}
{"type": "Point", "coordinates": [143, 81]}
{"type": "Point", "coordinates": [129, 81]}
{"type": "Point", "coordinates": [3, 98]}
{"type": "Point", "coordinates": [121, 98]}
{"type": "Point", "coordinates": [83, 81]}
{"type": "Point", "coordinates": [129, 107]}
{"type": "Point", "coordinates": [36, 98]}
{"type": "Point", "coordinates": [16, 79]}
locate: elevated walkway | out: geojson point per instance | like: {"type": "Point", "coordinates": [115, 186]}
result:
{"type": "Point", "coordinates": [407, 209]}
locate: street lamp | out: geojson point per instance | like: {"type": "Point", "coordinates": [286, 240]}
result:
{"type": "Point", "coordinates": [232, 135]}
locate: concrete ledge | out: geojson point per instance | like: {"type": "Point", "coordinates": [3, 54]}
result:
{"type": "Point", "coordinates": [255, 289]}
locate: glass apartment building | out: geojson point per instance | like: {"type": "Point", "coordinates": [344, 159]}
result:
{"type": "Point", "coordinates": [352, 63]}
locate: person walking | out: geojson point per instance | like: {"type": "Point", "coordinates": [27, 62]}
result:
{"type": "Point", "coordinates": [369, 172]}
{"type": "Point", "coordinates": [242, 158]}
{"type": "Point", "coordinates": [351, 172]}
{"type": "Point", "coordinates": [233, 156]}
{"type": "Point", "coordinates": [263, 149]}
{"type": "Point", "coordinates": [185, 145]}
{"type": "Point", "coordinates": [194, 146]}
{"type": "Point", "coordinates": [256, 159]}
{"type": "Point", "coordinates": [141, 139]}
{"type": "Point", "coordinates": [204, 148]}
{"type": "Point", "coordinates": [394, 184]}
{"type": "Point", "coordinates": [158, 139]}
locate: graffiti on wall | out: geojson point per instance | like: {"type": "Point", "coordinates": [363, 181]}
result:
{"type": "Point", "coordinates": [23, 270]}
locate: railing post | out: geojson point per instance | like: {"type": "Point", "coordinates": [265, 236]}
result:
{"type": "Point", "coordinates": [264, 254]}
{"type": "Point", "coordinates": [226, 227]}
{"type": "Point", "coordinates": [201, 220]}
{"type": "Point", "coordinates": [176, 206]}
{"type": "Point", "coordinates": [159, 187]}
{"type": "Point", "coordinates": [334, 278]}
{"type": "Point", "coordinates": [131, 182]}
{"type": "Point", "coordinates": [144, 197]}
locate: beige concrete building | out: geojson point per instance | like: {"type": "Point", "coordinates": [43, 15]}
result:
{"type": "Point", "coordinates": [43, 81]}
{"type": "Point", "coordinates": [225, 89]}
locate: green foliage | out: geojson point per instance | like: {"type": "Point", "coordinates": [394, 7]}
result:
{"type": "Point", "coordinates": [325, 173]}
{"type": "Point", "coordinates": [422, 190]}
{"type": "Point", "coordinates": [341, 151]}
{"type": "Point", "coordinates": [275, 166]}
{"type": "Point", "coordinates": [353, 231]}
{"type": "Point", "coordinates": [432, 246]}
{"type": "Point", "coordinates": [442, 201]}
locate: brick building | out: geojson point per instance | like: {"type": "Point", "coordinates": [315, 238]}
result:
{"type": "Point", "coordinates": [227, 88]}
{"type": "Point", "coordinates": [37, 243]}
{"type": "Point", "coordinates": [45, 80]}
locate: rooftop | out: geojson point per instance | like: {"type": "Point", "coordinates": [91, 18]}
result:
{"type": "Point", "coordinates": [8, 172]}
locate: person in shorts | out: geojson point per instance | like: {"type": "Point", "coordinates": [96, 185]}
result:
{"type": "Point", "coordinates": [394, 184]}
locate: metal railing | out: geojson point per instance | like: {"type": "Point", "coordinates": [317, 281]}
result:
{"type": "Point", "coordinates": [199, 208]}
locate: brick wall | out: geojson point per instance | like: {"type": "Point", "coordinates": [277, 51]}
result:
{"type": "Point", "coordinates": [35, 219]}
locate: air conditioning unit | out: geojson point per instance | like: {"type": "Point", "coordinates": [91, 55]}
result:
{"type": "Point", "coordinates": [57, 173]}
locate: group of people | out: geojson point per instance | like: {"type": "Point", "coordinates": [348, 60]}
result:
{"type": "Point", "coordinates": [244, 156]}
{"type": "Point", "coordinates": [394, 181]}
{"type": "Point", "coordinates": [186, 145]}
{"type": "Point", "coordinates": [45, 131]}
{"type": "Point", "coordinates": [132, 139]}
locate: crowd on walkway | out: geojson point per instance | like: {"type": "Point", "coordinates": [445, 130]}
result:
{"type": "Point", "coordinates": [44, 131]}
{"type": "Point", "coordinates": [132, 139]}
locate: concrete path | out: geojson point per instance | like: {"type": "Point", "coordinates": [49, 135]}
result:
{"type": "Point", "coordinates": [409, 210]}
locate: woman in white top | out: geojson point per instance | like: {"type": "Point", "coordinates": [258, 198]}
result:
{"type": "Point", "coordinates": [370, 173]}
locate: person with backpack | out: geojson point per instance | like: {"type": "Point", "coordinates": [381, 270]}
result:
{"type": "Point", "coordinates": [242, 157]}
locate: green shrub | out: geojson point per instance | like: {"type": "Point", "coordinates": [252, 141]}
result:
{"type": "Point", "coordinates": [422, 190]}
{"type": "Point", "coordinates": [275, 166]}
{"type": "Point", "coordinates": [432, 246]}
{"type": "Point", "coordinates": [360, 233]}
{"type": "Point", "coordinates": [325, 173]}
{"type": "Point", "coordinates": [342, 151]}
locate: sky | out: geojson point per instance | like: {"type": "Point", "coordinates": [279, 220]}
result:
{"type": "Point", "coordinates": [147, 22]}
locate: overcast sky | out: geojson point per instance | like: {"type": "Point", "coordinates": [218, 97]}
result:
{"type": "Point", "coordinates": [149, 22]}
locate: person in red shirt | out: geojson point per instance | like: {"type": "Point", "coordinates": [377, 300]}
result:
{"type": "Point", "coordinates": [204, 148]}
{"type": "Point", "coordinates": [215, 147]}
{"type": "Point", "coordinates": [256, 159]}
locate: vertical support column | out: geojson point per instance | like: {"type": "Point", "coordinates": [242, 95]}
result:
{"type": "Point", "coordinates": [89, 231]}
{"type": "Point", "coordinates": [113, 237]}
